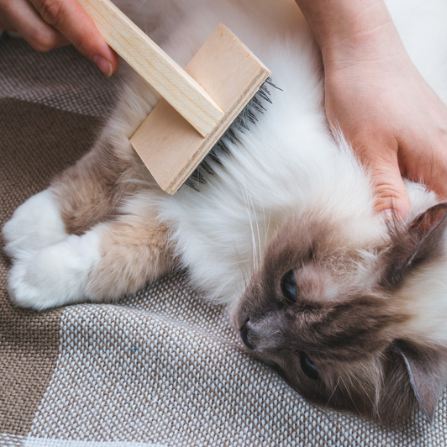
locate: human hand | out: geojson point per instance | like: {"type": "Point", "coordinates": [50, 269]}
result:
{"type": "Point", "coordinates": [48, 24]}
{"type": "Point", "coordinates": [393, 119]}
{"type": "Point", "coordinates": [374, 94]}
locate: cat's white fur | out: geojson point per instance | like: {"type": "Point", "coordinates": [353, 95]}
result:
{"type": "Point", "coordinates": [288, 163]}
{"type": "Point", "coordinates": [34, 226]}
{"type": "Point", "coordinates": [57, 274]}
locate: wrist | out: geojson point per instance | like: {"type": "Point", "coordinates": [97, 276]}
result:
{"type": "Point", "coordinates": [348, 30]}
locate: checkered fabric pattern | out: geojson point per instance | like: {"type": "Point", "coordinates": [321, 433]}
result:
{"type": "Point", "coordinates": [160, 368]}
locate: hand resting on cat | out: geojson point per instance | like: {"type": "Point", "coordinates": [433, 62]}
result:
{"type": "Point", "coordinates": [375, 95]}
{"type": "Point", "coordinates": [351, 309]}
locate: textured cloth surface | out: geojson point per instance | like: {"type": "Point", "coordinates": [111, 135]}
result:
{"type": "Point", "coordinates": [161, 368]}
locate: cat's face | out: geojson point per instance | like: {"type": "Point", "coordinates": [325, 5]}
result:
{"type": "Point", "coordinates": [325, 314]}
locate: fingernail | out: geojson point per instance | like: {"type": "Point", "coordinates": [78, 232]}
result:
{"type": "Point", "coordinates": [104, 65]}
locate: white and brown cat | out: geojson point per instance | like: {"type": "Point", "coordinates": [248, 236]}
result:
{"type": "Point", "coordinates": [352, 311]}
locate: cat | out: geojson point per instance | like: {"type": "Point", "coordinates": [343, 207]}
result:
{"type": "Point", "coordinates": [281, 227]}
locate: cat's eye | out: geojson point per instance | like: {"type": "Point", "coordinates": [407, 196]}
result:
{"type": "Point", "coordinates": [288, 286]}
{"type": "Point", "coordinates": [308, 367]}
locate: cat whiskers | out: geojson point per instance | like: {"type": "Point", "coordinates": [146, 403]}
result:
{"type": "Point", "coordinates": [254, 229]}
{"type": "Point", "coordinates": [374, 374]}
{"type": "Point", "coordinates": [252, 233]}
{"type": "Point", "coordinates": [266, 220]}
{"type": "Point", "coordinates": [333, 391]}
{"type": "Point", "coordinates": [379, 381]}
{"type": "Point", "coordinates": [347, 389]}
{"type": "Point", "coordinates": [245, 273]}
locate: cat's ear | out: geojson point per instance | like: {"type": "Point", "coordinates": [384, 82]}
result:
{"type": "Point", "coordinates": [427, 373]}
{"type": "Point", "coordinates": [420, 242]}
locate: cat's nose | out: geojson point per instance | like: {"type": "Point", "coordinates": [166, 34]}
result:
{"type": "Point", "coordinates": [245, 334]}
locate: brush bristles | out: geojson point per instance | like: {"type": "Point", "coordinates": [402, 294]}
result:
{"type": "Point", "coordinates": [249, 116]}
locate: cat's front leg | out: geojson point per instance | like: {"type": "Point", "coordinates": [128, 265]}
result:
{"type": "Point", "coordinates": [35, 224]}
{"type": "Point", "coordinates": [112, 259]}
{"type": "Point", "coordinates": [54, 275]}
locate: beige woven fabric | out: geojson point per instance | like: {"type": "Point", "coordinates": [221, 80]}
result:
{"type": "Point", "coordinates": [161, 368]}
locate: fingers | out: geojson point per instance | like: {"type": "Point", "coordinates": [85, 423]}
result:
{"type": "Point", "coordinates": [5, 24]}
{"type": "Point", "coordinates": [73, 22]}
{"type": "Point", "coordinates": [48, 24]}
{"type": "Point", "coordinates": [432, 170]}
{"type": "Point", "coordinates": [438, 184]}
{"type": "Point", "coordinates": [380, 157]}
{"type": "Point", "coordinates": [23, 18]}
{"type": "Point", "coordinates": [391, 197]}
{"type": "Point", "coordinates": [423, 156]}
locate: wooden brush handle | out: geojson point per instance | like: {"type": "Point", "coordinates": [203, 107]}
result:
{"type": "Point", "coordinates": [155, 66]}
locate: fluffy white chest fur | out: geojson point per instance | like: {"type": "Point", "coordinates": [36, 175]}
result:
{"type": "Point", "coordinates": [283, 231]}
{"type": "Point", "coordinates": [288, 162]}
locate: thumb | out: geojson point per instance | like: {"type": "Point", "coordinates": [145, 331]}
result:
{"type": "Point", "coordinates": [390, 193]}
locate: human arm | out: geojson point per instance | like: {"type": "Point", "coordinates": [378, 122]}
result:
{"type": "Point", "coordinates": [373, 92]}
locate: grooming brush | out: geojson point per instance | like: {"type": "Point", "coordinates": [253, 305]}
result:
{"type": "Point", "coordinates": [198, 104]}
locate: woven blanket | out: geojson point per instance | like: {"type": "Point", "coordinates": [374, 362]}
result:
{"type": "Point", "coordinates": [160, 368]}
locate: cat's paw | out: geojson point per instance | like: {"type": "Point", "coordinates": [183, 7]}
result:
{"type": "Point", "coordinates": [55, 275]}
{"type": "Point", "coordinates": [35, 224]}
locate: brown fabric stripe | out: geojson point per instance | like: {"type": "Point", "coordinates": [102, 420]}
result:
{"type": "Point", "coordinates": [62, 78]}
{"type": "Point", "coordinates": [36, 142]}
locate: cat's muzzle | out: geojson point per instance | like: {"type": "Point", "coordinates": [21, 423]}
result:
{"type": "Point", "coordinates": [263, 335]}
{"type": "Point", "coordinates": [246, 334]}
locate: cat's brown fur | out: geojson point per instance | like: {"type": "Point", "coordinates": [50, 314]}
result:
{"type": "Point", "coordinates": [93, 189]}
